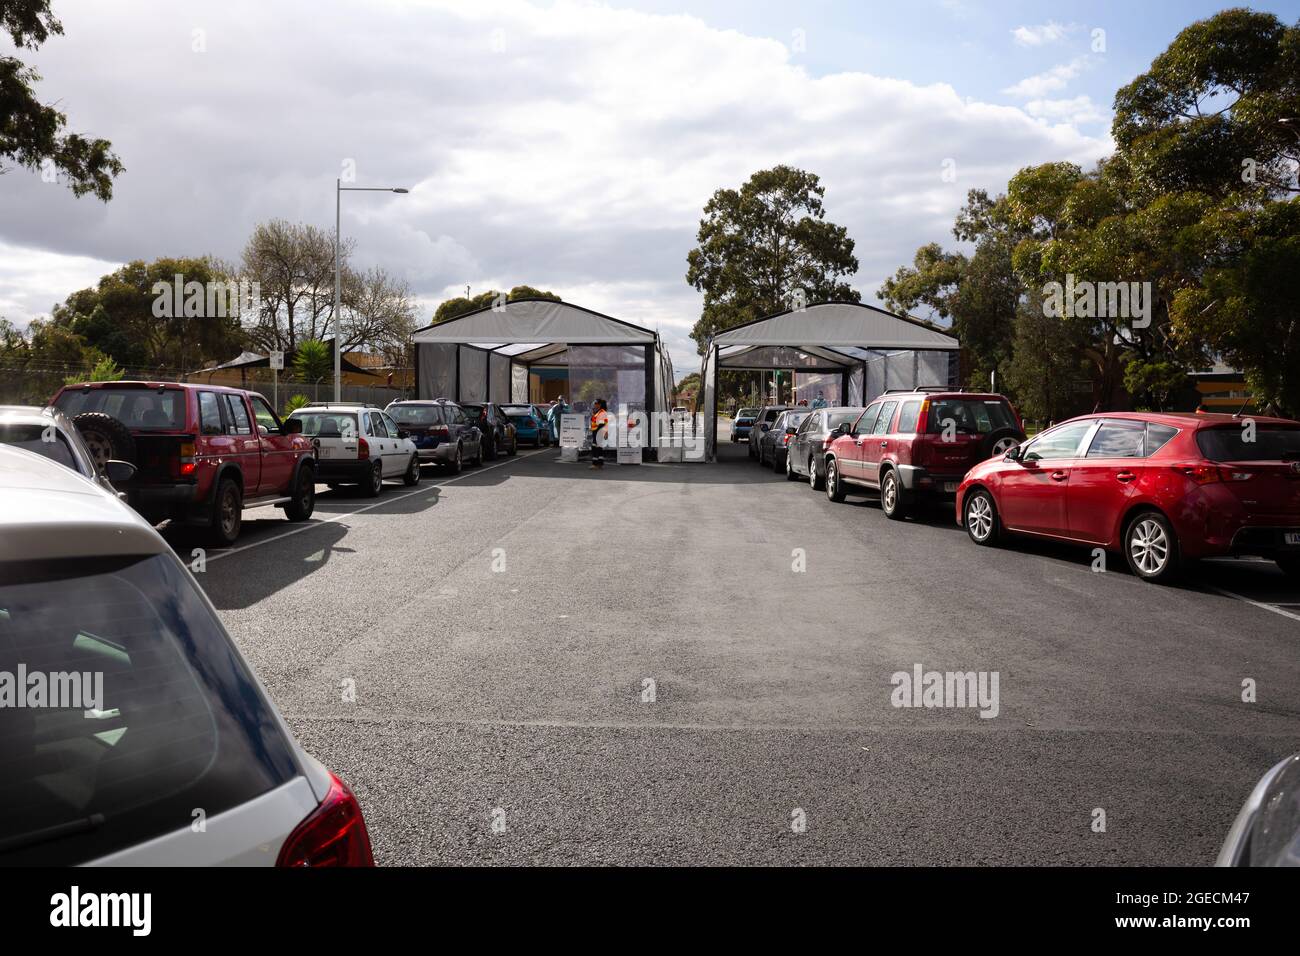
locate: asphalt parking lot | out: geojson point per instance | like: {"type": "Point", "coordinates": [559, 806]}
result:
{"type": "Point", "coordinates": [499, 629]}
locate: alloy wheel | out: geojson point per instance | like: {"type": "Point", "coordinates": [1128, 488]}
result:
{"type": "Point", "coordinates": [979, 518]}
{"type": "Point", "coordinates": [1149, 546]}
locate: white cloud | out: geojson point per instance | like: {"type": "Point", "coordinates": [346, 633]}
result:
{"type": "Point", "coordinates": [572, 150]}
{"type": "Point", "coordinates": [1050, 32]}
{"type": "Point", "coordinates": [1076, 111]}
{"type": "Point", "coordinates": [1057, 78]}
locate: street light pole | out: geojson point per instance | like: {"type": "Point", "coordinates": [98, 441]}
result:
{"type": "Point", "coordinates": [339, 189]}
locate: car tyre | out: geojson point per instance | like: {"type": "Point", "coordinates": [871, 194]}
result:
{"type": "Point", "coordinates": [227, 513]}
{"type": "Point", "coordinates": [815, 480]}
{"type": "Point", "coordinates": [412, 475]}
{"type": "Point", "coordinates": [980, 516]}
{"type": "Point", "coordinates": [891, 497]}
{"type": "Point", "coordinates": [490, 452]}
{"type": "Point", "coordinates": [790, 473]}
{"type": "Point", "coordinates": [1151, 548]}
{"type": "Point", "coordinates": [303, 502]}
{"type": "Point", "coordinates": [375, 484]}
{"type": "Point", "coordinates": [834, 486]}
{"type": "Point", "coordinates": [458, 463]}
{"type": "Point", "coordinates": [514, 447]}
{"type": "Point", "coordinates": [107, 438]}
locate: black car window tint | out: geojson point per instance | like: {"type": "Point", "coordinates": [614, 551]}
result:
{"type": "Point", "coordinates": [238, 415]}
{"type": "Point", "coordinates": [209, 414]}
{"type": "Point", "coordinates": [1157, 437]}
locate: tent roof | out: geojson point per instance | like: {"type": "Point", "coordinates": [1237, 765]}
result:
{"type": "Point", "coordinates": [838, 324]}
{"type": "Point", "coordinates": [539, 321]}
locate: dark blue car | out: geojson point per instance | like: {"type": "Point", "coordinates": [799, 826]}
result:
{"type": "Point", "coordinates": [530, 424]}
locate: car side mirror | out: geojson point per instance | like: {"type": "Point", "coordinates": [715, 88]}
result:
{"type": "Point", "coordinates": [764, 427]}
{"type": "Point", "coordinates": [1013, 453]}
{"type": "Point", "coordinates": [403, 433]}
{"type": "Point", "coordinates": [843, 428]}
{"type": "Point", "coordinates": [118, 472]}
{"type": "Point", "coordinates": [293, 426]}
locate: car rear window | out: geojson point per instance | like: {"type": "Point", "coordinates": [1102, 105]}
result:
{"type": "Point", "coordinates": [327, 424]}
{"type": "Point", "coordinates": [747, 413]}
{"type": "Point", "coordinates": [422, 415]}
{"type": "Point", "coordinates": [1271, 442]}
{"type": "Point", "coordinates": [972, 416]}
{"type": "Point", "coordinates": [32, 438]}
{"type": "Point", "coordinates": [140, 409]}
{"type": "Point", "coordinates": [148, 712]}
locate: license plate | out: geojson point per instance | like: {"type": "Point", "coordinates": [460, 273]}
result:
{"type": "Point", "coordinates": [326, 452]}
{"type": "Point", "coordinates": [1292, 537]}
{"type": "Point", "coordinates": [949, 487]}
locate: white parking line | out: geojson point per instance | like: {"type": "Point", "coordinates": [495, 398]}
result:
{"type": "Point", "coordinates": [388, 499]}
{"type": "Point", "coordinates": [1259, 604]}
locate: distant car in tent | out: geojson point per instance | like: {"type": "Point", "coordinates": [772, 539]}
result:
{"type": "Point", "coordinates": [530, 424]}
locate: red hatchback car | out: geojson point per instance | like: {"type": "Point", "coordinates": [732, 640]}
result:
{"type": "Point", "coordinates": [1164, 488]}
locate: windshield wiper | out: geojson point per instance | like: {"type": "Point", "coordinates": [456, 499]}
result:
{"type": "Point", "coordinates": [59, 830]}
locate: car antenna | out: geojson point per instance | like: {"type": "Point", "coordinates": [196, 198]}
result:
{"type": "Point", "coordinates": [1237, 413]}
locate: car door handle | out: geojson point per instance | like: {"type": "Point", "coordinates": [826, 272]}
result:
{"type": "Point", "coordinates": [1060, 475]}
{"type": "Point", "coordinates": [858, 443]}
{"type": "Point", "coordinates": [1125, 476]}
{"type": "Point", "coordinates": [884, 444]}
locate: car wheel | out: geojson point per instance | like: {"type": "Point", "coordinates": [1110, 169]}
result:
{"type": "Point", "coordinates": [834, 488]}
{"type": "Point", "coordinates": [458, 463]}
{"type": "Point", "coordinates": [1000, 442]}
{"type": "Point", "coordinates": [1151, 547]}
{"type": "Point", "coordinates": [1290, 567]}
{"type": "Point", "coordinates": [227, 513]}
{"type": "Point", "coordinates": [790, 473]}
{"type": "Point", "coordinates": [303, 502]}
{"type": "Point", "coordinates": [106, 437]}
{"type": "Point", "coordinates": [477, 460]}
{"type": "Point", "coordinates": [980, 516]}
{"type": "Point", "coordinates": [514, 447]}
{"type": "Point", "coordinates": [490, 452]}
{"type": "Point", "coordinates": [814, 479]}
{"type": "Point", "coordinates": [891, 497]}
{"type": "Point", "coordinates": [375, 484]}
{"type": "Point", "coordinates": [412, 476]}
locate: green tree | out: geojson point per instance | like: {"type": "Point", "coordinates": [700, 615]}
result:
{"type": "Point", "coordinates": [102, 369]}
{"type": "Point", "coordinates": [764, 247]}
{"type": "Point", "coordinates": [31, 134]}
{"type": "Point", "coordinates": [119, 316]}
{"type": "Point", "coordinates": [464, 304]}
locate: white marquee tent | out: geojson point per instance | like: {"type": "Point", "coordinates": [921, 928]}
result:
{"type": "Point", "coordinates": [868, 348]}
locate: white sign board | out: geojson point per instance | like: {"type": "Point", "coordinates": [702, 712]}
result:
{"type": "Point", "coordinates": [629, 454]}
{"type": "Point", "coordinates": [277, 361]}
{"type": "Point", "coordinates": [572, 432]}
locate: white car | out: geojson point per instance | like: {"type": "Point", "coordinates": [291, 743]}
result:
{"type": "Point", "coordinates": [358, 445]}
{"type": "Point", "coordinates": [133, 731]}
{"type": "Point", "coordinates": [47, 431]}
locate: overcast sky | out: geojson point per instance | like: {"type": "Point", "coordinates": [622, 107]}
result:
{"type": "Point", "coordinates": [569, 146]}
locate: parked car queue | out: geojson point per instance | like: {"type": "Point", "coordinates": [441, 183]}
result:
{"type": "Point", "coordinates": [1163, 488]}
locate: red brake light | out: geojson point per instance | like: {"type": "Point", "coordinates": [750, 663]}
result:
{"type": "Point", "coordinates": [363, 449]}
{"type": "Point", "coordinates": [334, 834]}
{"type": "Point", "coordinates": [1200, 474]}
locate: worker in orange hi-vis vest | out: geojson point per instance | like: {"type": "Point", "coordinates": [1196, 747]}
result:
{"type": "Point", "coordinates": [599, 432]}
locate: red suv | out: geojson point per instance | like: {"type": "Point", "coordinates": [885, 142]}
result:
{"type": "Point", "coordinates": [919, 444]}
{"type": "Point", "coordinates": [1163, 487]}
{"type": "Point", "coordinates": [202, 453]}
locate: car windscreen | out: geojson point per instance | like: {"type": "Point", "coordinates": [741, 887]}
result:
{"type": "Point", "coordinates": [140, 409]}
{"type": "Point", "coordinates": [971, 416]}
{"type": "Point", "coordinates": [1234, 442]}
{"type": "Point", "coordinates": [416, 414]}
{"type": "Point", "coordinates": [35, 438]}
{"type": "Point", "coordinates": [127, 708]}
{"type": "Point", "coordinates": [327, 424]}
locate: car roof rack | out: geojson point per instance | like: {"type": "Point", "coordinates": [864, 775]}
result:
{"type": "Point", "coordinates": [341, 405]}
{"type": "Point", "coordinates": [923, 388]}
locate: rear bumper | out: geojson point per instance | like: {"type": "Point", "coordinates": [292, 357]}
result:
{"type": "Point", "coordinates": [446, 452]}
{"type": "Point", "coordinates": [1266, 541]}
{"type": "Point", "coordinates": [349, 470]}
{"type": "Point", "coordinates": [157, 503]}
{"type": "Point", "coordinates": [917, 480]}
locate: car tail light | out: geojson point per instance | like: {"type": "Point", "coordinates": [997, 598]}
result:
{"type": "Point", "coordinates": [1200, 474]}
{"type": "Point", "coordinates": [334, 834]}
{"type": "Point", "coordinates": [363, 449]}
{"type": "Point", "coordinates": [923, 417]}
{"type": "Point", "coordinates": [440, 430]}
{"type": "Point", "coordinates": [785, 439]}
{"type": "Point", "coordinates": [187, 462]}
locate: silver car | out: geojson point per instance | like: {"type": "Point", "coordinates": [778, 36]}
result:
{"type": "Point", "coordinates": [146, 740]}
{"type": "Point", "coordinates": [49, 432]}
